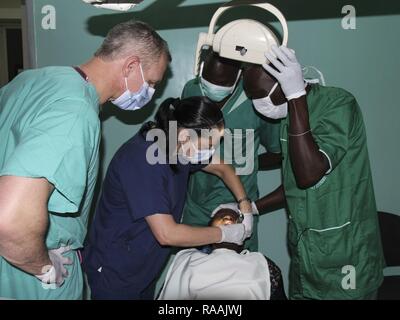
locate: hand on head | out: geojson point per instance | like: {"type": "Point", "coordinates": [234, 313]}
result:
{"type": "Point", "coordinates": [284, 66]}
{"type": "Point", "coordinates": [258, 84]}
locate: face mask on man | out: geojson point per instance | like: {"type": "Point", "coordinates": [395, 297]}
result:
{"type": "Point", "coordinates": [267, 108]}
{"type": "Point", "coordinates": [199, 155]}
{"type": "Point", "coordinates": [135, 100]}
{"type": "Point", "coordinates": [215, 92]}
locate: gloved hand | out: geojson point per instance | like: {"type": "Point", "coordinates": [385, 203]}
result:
{"type": "Point", "coordinates": [57, 273]}
{"type": "Point", "coordinates": [248, 219]}
{"type": "Point", "coordinates": [233, 233]}
{"type": "Point", "coordinates": [289, 74]}
{"type": "Point", "coordinates": [234, 206]}
{"type": "Point", "coordinates": [247, 216]}
{"type": "Point", "coordinates": [248, 223]}
{"type": "Point", "coordinates": [254, 208]}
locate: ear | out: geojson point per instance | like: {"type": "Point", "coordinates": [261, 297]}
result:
{"type": "Point", "coordinates": [130, 64]}
{"type": "Point", "coordinates": [183, 135]}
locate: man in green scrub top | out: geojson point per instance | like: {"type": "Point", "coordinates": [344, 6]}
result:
{"type": "Point", "coordinates": [49, 155]}
{"type": "Point", "coordinates": [333, 233]}
{"type": "Point", "coordinates": [220, 80]}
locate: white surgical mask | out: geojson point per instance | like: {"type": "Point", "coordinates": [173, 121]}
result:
{"type": "Point", "coordinates": [135, 100]}
{"type": "Point", "coordinates": [199, 155]}
{"type": "Point", "coordinates": [267, 108]}
{"type": "Point", "coordinates": [215, 92]}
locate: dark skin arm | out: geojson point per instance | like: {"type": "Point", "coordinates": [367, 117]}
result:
{"type": "Point", "coordinates": [308, 163]}
{"type": "Point", "coordinates": [276, 199]}
{"type": "Point", "coordinates": [271, 202]}
{"type": "Point", "coordinates": [269, 161]}
{"type": "Point", "coordinates": [258, 84]}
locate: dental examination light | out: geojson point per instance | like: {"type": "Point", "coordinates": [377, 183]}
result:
{"type": "Point", "coordinates": [118, 5]}
{"type": "Point", "coordinates": [242, 40]}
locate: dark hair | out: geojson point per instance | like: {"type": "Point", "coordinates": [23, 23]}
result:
{"type": "Point", "coordinates": [232, 246]}
{"type": "Point", "coordinates": [194, 113]}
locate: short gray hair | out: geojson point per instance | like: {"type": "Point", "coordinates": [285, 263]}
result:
{"type": "Point", "coordinates": [133, 37]}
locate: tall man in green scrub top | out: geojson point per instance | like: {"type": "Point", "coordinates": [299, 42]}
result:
{"type": "Point", "coordinates": [333, 233]}
{"type": "Point", "coordinates": [220, 80]}
{"type": "Point", "coordinates": [49, 154]}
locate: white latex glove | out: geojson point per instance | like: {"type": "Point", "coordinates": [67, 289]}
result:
{"type": "Point", "coordinates": [254, 207]}
{"type": "Point", "coordinates": [248, 224]}
{"type": "Point", "coordinates": [247, 216]}
{"type": "Point", "coordinates": [57, 272]}
{"type": "Point", "coordinates": [233, 233]}
{"type": "Point", "coordinates": [289, 74]}
{"type": "Point", "coordinates": [248, 219]}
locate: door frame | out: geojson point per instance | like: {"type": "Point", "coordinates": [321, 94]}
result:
{"type": "Point", "coordinates": [28, 34]}
{"type": "Point", "coordinates": [4, 25]}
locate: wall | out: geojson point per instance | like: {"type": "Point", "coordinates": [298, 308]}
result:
{"type": "Point", "coordinates": [364, 61]}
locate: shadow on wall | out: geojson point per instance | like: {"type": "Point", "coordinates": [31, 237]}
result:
{"type": "Point", "coordinates": [167, 15]}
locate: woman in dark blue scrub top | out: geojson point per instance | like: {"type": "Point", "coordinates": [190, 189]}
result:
{"type": "Point", "coordinates": [138, 216]}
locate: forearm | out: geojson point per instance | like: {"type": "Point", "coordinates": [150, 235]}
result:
{"type": "Point", "coordinates": [269, 160]}
{"type": "Point", "coordinates": [24, 222]}
{"type": "Point", "coordinates": [182, 235]}
{"type": "Point", "coordinates": [308, 163]}
{"type": "Point", "coordinates": [25, 250]}
{"type": "Point", "coordinates": [234, 184]}
{"type": "Point", "coordinates": [28, 255]}
{"type": "Point", "coordinates": [228, 175]}
{"type": "Point", "coordinates": [273, 201]}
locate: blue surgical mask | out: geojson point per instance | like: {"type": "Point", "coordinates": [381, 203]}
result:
{"type": "Point", "coordinates": [135, 100]}
{"type": "Point", "coordinates": [198, 155]}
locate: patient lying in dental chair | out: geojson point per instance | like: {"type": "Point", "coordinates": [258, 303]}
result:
{"type": "Point", "coordinates": [227, 272]}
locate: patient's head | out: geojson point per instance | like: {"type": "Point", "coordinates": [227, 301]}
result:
{"type": "Point", "coordinates": [225, 217]}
